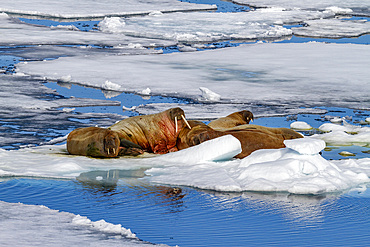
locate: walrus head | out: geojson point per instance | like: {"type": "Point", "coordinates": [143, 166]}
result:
{"type": "Point", "coordinates": [178, 116]}
{"type": "Point", "coordinates": [198, 133]}
{"type": "Point", "coordinates": [111, 144]}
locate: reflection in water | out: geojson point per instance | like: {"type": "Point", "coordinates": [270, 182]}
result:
{"type": "Point", "coordinates": [302, 210]}
{"type": "Point", "coordinates": [112, 183]}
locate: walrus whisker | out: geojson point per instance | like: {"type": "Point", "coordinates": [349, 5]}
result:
{"type": "Point", "coordinates": [176, 124]}
{"type": "Point", "coordinates": [186, 121]}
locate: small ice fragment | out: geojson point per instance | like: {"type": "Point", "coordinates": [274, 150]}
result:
{"type": "Point", "coordinates": [185, 48]}
{"type": "Point", "coordinates": [208, 95]}
{"type": "Point", "coordinates": [146, 91]}
{"type": "Point", "coordinates": [99, 178]}
{"type": "Point", "coordinates": [124, 108]}
{"type": "Point", "coordinates": [336, 120]}
{"type": "Point", "coordinates": [306, 145]}
{"type": "Point", "coordinates": [155, 13]}
{"type": "Point", "coordinates": [66, 78]}
{"type": "Point", "coordinates": [337, 10]}
{"type": "Point", "coordinates": [300, 125]}
{"type": "Point", "coordinates": [112, 25]}
{"type": "Point", "coordinates": [108, 85]}
{"type": "Point", "coordinates": [68, 109]}
{"type": "Point", "coordinates": [346, 153]}
{"type": "Point", "coordinates": [367, 120]}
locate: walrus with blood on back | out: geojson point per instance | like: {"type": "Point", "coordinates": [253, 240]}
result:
{"type": "Point", "coordinates": [155, 133]}
{"type": "Point", "coordinates": [251, 137]}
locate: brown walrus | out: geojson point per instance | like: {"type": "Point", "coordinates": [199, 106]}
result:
{"type": "Point", "coordinates": [232, 120]}
{"type": "Point", "coordinates": [240, 121]}
{"type": "Point", "coordinates": [155, 133]}
{"type": "Point", "coordinates": [93, 141]}
{"type": "Point", "coordinates": [250, 139]}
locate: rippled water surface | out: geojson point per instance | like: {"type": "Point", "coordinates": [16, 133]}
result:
{"type": "Point", "coordinates": [205, 218]}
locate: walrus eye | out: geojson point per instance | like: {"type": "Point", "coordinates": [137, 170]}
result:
{"type": "Point", "coordinates": [186, 121]}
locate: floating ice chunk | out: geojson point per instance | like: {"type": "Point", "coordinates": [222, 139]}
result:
{"type": "Point", "coordinates": [300, 125]}
{"type": "Point", "coordinates": [337, 120]}
{"type": "Point", "coordinates": [346, 127]}
{"type": "Point", "coordinates": [112, 25]}
{"type": "Point", "coordinates": [222, 148]}
{"type": "Point", "coordinates": [186, 48]}
{"type": "Point", "coordinates": [367, 119]}
{"type": "Point", "coordinates": [346, 153]}
{"type": "Point", "coordinates": [306, 145]}
{"type": "Point", "coordinates": [209, 95]}
{"type": "Point", "coordinates": [108, 85]}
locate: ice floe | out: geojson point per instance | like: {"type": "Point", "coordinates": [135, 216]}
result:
{"type": "Point", "coordinates": [31, 225]}
{"type": "Point", "coordinates": [211, 27]}
{"type": "Point", "coordinates": [309, 74]}
{"type": "Point", "coordinates": [333, 28]}
{"type": "Point", "coordinates": [15, 33]}
{"type": "Point", "coordinates": [337, 6]}
{"type": "Point", "coordinates": [297, 169]}
{"type": "Point", "coordinates": [90, 8]}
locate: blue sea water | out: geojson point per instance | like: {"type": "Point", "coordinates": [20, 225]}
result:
{"type": "Point", "coordinates": [199, 217]}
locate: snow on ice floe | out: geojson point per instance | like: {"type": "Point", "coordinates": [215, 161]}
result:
{"type": "Point", "coordinates": [298, 168]}
{"type": "Point", "coordinates": [310, 74]}
{"type": "Point", "coordinates": [90, 8]}
{"type": "Point", "coordinates": [211, 27]}
{"type": "Point", "coordinates": [15, 33]}
{"type": "Point", "coordinates": [21, 224]}
{"type": "Point", "coordinates": [337, 6]}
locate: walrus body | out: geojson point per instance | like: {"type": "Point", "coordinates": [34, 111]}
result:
{"type": "Point", "coordinates": [93, 141]}
{"type": "Point", "coordinates": [155, 133]}
{"type": "Point", "coordinates": [250, 139]}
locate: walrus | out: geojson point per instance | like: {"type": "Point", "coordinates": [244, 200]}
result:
{"type": "Point", "coordinates": [250, 139]}
{"type": "Point", "coordinates": [93, 141]}
{"type": "Point", "coordinates": [100, 142]}
{"type": "Point", "coordinates": [240, 121]}
{"type": "Point", "coordinates": [232, 120]}
{"type": "Point", "coordinates": [154, 133]}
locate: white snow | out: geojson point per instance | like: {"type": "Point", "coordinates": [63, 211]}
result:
{"type": "Point", "coordinates": [31, 225]}
{"type": "Point", "coordinates": [313, 74]}
{"type": "Point", "coordinates": [97, 9]}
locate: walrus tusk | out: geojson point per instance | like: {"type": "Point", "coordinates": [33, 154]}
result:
{"type": "Point", "coordinates": [108, 151]}
{"type": "Point", "coordinates": [186, 121]}
{"type": "Point", "coordinates": [114, 151]}
{"type": "Point", "coordinates": [176, 124]}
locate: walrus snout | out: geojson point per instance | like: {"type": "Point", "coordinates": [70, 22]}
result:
{"type": "Point", "coordinates": [178, 114]}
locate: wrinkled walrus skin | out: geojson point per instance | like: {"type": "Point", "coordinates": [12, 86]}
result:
{"type": "Point", "coordinates": [93, 141]}
{"type": "Point", "coordinates": [155, 133]}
